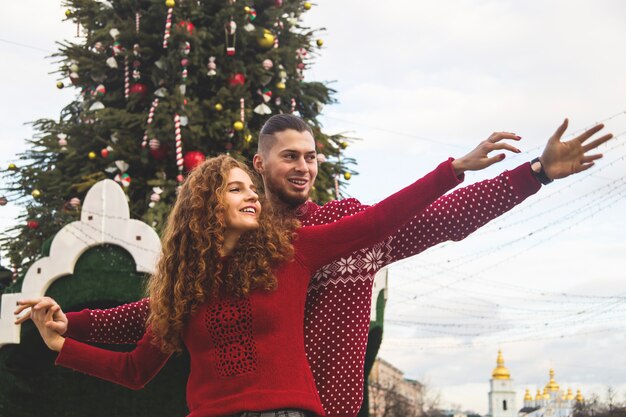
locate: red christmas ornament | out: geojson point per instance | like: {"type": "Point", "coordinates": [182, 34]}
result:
{"type": "Point", "coordinates": [139, 88]}
{"type": "Point", "coordinates": [186, 26]}
{"type": "Point", "coordinates": [32, 224]}
{"type": "Point", "coordinates": [159, 153]}
{"type": "Point", "coordinates": [193, 159]}
{"type": "Point", "coordinates": [105, 153]}
{"type": "Point", "coordinates": [237, 79]}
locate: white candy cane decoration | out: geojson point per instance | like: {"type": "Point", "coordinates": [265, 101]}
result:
{"type": "Point", "coordinates": [136, 62]}
{"type": "Point", "coordinates": [126, 78]}
{"type": "Point", "coordinates": [242, 106]}
{"type": "Point", "coordinates": [293, 105]}
{"type": "Point", "coordinates": [155, 104]}
{"type": "Point", "coordinates": [168, 26]}
{"type": "Point", "coordinates": [137, 20]}
{"type": "Point", "coordinates": [179, 144]}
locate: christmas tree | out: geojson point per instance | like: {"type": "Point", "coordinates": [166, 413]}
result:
{"type": "Point", "coordinates": [162, 85]}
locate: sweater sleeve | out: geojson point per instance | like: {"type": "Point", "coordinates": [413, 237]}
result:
{"type": "Point", "coordinates": [376, 222]}
{"type": "Point", "coordinates": [120, 325]}
{"type": "Point", "coordinates": [131, 369]}
{"type": "Point", "coordinates": [458, 214]}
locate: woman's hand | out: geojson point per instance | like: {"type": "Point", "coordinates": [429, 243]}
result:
{"type": "Point", "coordinates": [42, 303]}
{"type": "Point", "coordinates": [44, 321]}
{"type": "Point", "coordinates": [479, 158]}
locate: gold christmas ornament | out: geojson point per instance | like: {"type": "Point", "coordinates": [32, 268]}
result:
{"type": "Point", "coordinates": [280, 85]}
{"type": "Point", "coordinates": [307, 5]}
{"type": "Point", "coordinates": [170, 3]}
{"type": "Point", "coordinates": [343, 145]}
{"type": "Point", "coordinates": [347, 175]}
{"type": "Point", "coordinates": [248, 138]}
{"type": "Point", "coordinates": [92, 155]}
{"type": "Point", "coordinates": [267, 40]}
{"type": "Point", "coordinates": [36, 193]}
{"type": "Point", "coordinates": [238, 125]}
{"type": "Point", "coordinates": [320, 42]}
{"type": "Point", "coordinates": [68, 13]}
{"type": "Point", "coordinates": [218, 107]}
{"type": "Point", "coordinates": [12, 167]}
{"type": "Point", "coordinates": [60, 85]}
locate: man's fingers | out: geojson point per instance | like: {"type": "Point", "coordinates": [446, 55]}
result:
{"type": "Point", "coordinates": [584, 167]}
{"type": "Point", "coordinates": [22, 319]}
{"type": "Point", "coordinates": [560, 130]}
{"type": "Point", "coordinates": [589, 133]}
{"type": "Point", "coordinates": [589, 158]}
{"type": "Point", "coordinates": [597, 142]}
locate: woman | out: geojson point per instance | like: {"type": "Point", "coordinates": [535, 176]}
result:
{"type": "Point", "coordinates": [231, 285]}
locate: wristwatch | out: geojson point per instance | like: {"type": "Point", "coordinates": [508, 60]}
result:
{"type": "Point", "coordinates": [537, 169]}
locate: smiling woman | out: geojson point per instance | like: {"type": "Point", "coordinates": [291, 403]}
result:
{"type": "Point", "coordinates": [243, 210]}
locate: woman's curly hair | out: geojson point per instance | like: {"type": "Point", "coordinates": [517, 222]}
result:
{"type": "Point", "coordinates": [191, 270]}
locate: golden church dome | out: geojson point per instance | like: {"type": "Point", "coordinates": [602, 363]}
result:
{"type": "Point", "coordinates": [570, 394]}
{"type": "Point", "coordinates": [538, 396]}
{"type": "Point", "coordinates": [527, 396]}
{"type": "Point", "coordinates": [500, 372]}
{"type": "Point", "coordinates": [552, 385]}
{"type": "Point", "coordinates": [579, 397]}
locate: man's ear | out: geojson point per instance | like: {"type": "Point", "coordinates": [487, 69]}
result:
{"type": "Point", "coordinates": [257, 163]}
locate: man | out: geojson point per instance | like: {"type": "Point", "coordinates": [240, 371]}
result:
{"type": "Point", "coordinates": [337, 312]}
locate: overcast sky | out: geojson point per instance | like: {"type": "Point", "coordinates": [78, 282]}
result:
{"type": "Point", "coordinates": [421, 81]}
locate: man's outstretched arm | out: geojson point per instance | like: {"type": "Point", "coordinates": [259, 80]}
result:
{"type": "Point", "coordinates": [458, 214]}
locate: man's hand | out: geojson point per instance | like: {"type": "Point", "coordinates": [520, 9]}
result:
{"type": "Point", "coordinates": [58, 321]}
{"type": "Point", "coordinates": [43, 319]}
{"type": "Point", "coordinates": [479, 158]}
{"type": "Point", "coordinates": [562, 159]}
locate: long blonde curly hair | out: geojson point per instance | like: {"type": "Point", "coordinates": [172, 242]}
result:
{"type": "Point", "coordinates": [191, 270]}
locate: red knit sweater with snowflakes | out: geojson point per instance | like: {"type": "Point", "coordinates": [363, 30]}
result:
{"type": "Point", "coordinates": [338, 305]}
{"type": "Point", "coordinates": [249, 354]}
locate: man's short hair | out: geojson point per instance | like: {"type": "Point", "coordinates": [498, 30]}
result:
{"type": "Point", "coordinates": [279, 123]}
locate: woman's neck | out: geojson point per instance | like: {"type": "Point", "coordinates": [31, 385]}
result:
{"type": "Point", "coordinates": [231, 239]}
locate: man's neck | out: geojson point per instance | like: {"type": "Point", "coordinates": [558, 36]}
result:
{"type": "Point", "coordinates": [281, 207]}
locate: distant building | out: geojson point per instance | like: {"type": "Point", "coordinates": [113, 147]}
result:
{"type": "Point", "coordinates": [551, 402]}
{"type": "Point", "coordinates": [391, 394]}
{"type": "Point", "coordinates": [501, 393]}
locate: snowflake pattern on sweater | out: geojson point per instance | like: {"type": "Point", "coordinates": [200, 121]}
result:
{"type": "Point", "coordinates": [337, 314]}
